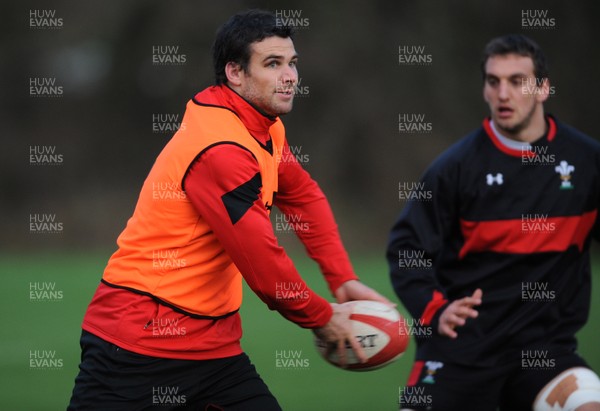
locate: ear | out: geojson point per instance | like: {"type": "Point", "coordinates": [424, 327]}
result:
{"type": "Point", "coordinates": [544, 91]}
{"type": "Point", "coordinates": [234, 73]}
{"type": "Point", "coordinates": [485, 98]}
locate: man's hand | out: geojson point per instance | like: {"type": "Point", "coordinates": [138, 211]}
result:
{"type": "Point", "coordinates": [456, 314]}
{"type": "Point", "coordinates": [338, 331]}
{"type": "Point", "coordinates": [355, 290]}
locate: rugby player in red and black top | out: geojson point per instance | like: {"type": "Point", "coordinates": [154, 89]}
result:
{"type": "Point", "coordinates": [163, 329]}
{"type": "Point", "coordinates": [495, 266]}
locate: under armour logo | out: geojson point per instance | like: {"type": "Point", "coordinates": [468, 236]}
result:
{"type": "Point", "coordinates": [497, 179]}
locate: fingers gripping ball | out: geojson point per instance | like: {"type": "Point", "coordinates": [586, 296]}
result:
{"type": "Point", "coordinates": [380, 331]}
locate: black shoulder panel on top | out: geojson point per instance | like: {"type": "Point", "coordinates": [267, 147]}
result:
{"type": "Point", "coordinates": [239, 200]}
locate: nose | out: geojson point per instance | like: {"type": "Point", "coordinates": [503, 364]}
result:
{"type": "Point", "coordinates": [289, 76]}
{"type": "Point", "coordinates": [503, 90]}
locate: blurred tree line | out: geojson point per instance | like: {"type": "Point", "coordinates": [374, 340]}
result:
{"type": "Point", "coordinates": [345, 123]}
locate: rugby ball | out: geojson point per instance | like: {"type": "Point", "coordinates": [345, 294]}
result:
{"type": "Point", "coordinates": [379, 329]}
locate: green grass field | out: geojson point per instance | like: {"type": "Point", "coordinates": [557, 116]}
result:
{"type": "Point", "coordinates": [54, 327]}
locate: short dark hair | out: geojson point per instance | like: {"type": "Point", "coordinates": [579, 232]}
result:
{"type": "Point", "coordinates": [517, 44]}
{"type": "Point", "coordinates": [232, 43]}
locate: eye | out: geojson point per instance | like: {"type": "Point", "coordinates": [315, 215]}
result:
{"type": "Point", "coordinates": [518, 81]}
{"type": "Point", "coordinates": [492, 81]}
{"type": "Point", "coordinates": [273, 64]}
{"type": "Point", "coordinates": [294, 63]}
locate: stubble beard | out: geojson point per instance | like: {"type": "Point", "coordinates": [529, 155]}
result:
{"type": "Point", "coordinates": [519, 127]}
